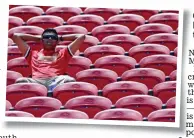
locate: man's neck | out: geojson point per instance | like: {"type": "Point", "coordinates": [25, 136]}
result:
{"type": "Point", "coordinates": [48, 52]}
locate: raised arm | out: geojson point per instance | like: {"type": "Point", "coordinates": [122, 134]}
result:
{"type": "Point", "coordinates": [20, 40]}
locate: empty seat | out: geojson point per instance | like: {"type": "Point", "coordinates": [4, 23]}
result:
{"type": "Point", "coordinates": [106, 13]}
{"type": "Point", "coordinates": [146, 30]}
{"type": "Point", "coordinates": [148, 76]}
{"type": "Point", "coordinates": [176, 51]}
{"type": "Point", "coordinates": [140, 51]}
{"type": "Point", "coordinates": [66, 114]}
{"type": "Point", "coordinates": [125, 41]}
{"type": "Point", "coordinates": [164, 115]}
{"type": "Point", "coordinates": [70, 29]}
{"type": "Point", "coordinates": [77, 64]}
{"type": "Point", "coordinates": [91, 105]}
{"type": "Point", "coordinates": [165, 63]}
{"type": "Point", "coordinates": [169, 40]}
{"type": "Point", "coordinates": [19, 65]}
{"type": "Point", "coordinates": [171, 103]}
{"type": "Point", "coordinates": [115, 91]}
{"type": "Point", "coordinates": [173, 75]}
{"type": "Point", "coordinates": [8, 105]}
{"type": "Point", "coordinates": [87, 21]}
{"type": "Point", "coordinates": [170, 19]}
{"type": "Point", "coordinates": [145, 13]}
{"type": "Point", "coordinates": [25, 12]}
{"type": "Point", "coordinates": [110, 29]}
{"type": "Point", "coordinates": [38, 105]}
{"type": "Point", "coordinates": [98, 77]}
{"type": "Point", "coordinates": [46, 21]}
{"type": "Point", "coordinates": [165, 90]}
{"type": "Point", "coordinates": [64, 12]}
{"type": "Point", "coordinates": [71, 90]}
{"type": "Point", "coordinates": [119, 114]}
{"type": "Point", "coordinates": [13, 52]}
{"type": "Point", "coordinates": [18, 114]}
{"type": "Point", "coordinates": [95, 52]}
{"type": "Point", "coordinates": [170, 11]}
{"type": "Point", "coordinates": [12, 76]}
{"type": "Point", "coordinates": [144, 104]}
{"type": "Point", "coordinates": [129, 20]}
{"type": "Point", "coordinates": [44, 8]}
{"type": "Point", "coordinates": [12, 6]}
{"type": "Point", "coordinates": [10, 42]}
{"type": "Point", "coordinates": [19, 91]}
{"type": "Point", "coordinates": [116, 63]}
{"type": "Point", "coordinates": [15, 22]}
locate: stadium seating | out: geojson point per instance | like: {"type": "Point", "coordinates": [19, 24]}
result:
{"type": "Point", "coordinates": [129, 20]}
{"type": "Point", "coordinates": [10, 42]}
{"type": "Point", "coordinates": [98, 51]}
{"type": "Point", "coordinates": [116, 63]}
{"type": "Point", "coordinates": [15, 22]}
{"type": "Point", "coordinates": [173, 75]}
{"type": "Point", "coordinates": [140, 51]}
{"type": "Point", "coordinates": [8, 105]}
{"type": "Point", "coordinates": [171, 103]}
{"type": "Point", "coordinates": [38, 105]}
{"type": "Point", "coordinates": [146, 30]}
{"type": "Point", "coordinates": [19, 91]}
{"type": "Point", "coordinates": [87, 21]}
{"type": "Point", "coordinates": [70, 29]}
{"type": "Point", "coordinates": [165, 63]}
{"type": "Point", "coordinates": [144, 104]}
{"type": "Point", "coordinates": [169, 40]}
{"type": "Point", "coordinates": [103, 31]}
{"type": "Point", "coordinates": [170, 11]}
{"type": "Point", "coordinates": [44, 8]}
{"type": "Point", "coordinates": [176, 51]}
{"type": "Point", "coordinates": [91, 105]}
{"type": "Point", "coordinates": [12, 76]}
{"type": "Point", "coordinates": [119, 114]}
{"type": "Point", "coordinates": [164, 115]}
{"type": "Point", "coordinates": [13, 52]}
{"type": "Point", "coordinates": [67, 91]}
{"type": "Point", "coordinates": [148, 76]}
{"type": "Point", "coordinates": [165, 90]}
{"type": "Point", "coordinates": [18, 114]}
{"type": "Point", "coordinates": [25, 12]}
{"type": "Point", "coordinates": [125, 41]}
{"type": "Point", "coordinates": [115, 91]}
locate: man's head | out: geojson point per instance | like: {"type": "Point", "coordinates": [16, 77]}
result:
{"type": "Point", "coordinates": [49, 39]}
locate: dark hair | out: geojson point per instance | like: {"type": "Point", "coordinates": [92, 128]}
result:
{"type": "Point", "coordinates": [50, 30]}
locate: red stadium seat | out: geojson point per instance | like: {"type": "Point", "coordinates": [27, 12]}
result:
{"type": "Point", "coordinates": [87, 21]}
{"type": "Point", "coordinates": [165, 90]}
{"type": "Point", "coordinates": [19, 65]}
{"type": "Point", "coordinates": [164, 115]}
{"type": "Point", "coordinates": [115, 91]}
{"type": "Point", "coordinates": [46, 21]}
{"type": "Point", "coordinates": [64, 12]}
{"type": "Point", "coordinates": [144, 13]}
{"type": "Point", "coordinates": [119, 114]}
{"type": "Point", "coordinates": [169, 40]}
{"type": "Point", "coordinates": [10, 42]}
{"type": "Point", "coordinates": [12, 76]}
{"type": "Point", "coordinates": [165, 63]}
{"type": "Point", "coordinates": [12, 6]}
{"type": "Point", "coordinates": [171, 103]}
{"type": "Point", "coordinates": [19, 91]}
{"type": "Point", "coordinates": [25, 12]}
{"type": "Point", "coordinates": [66, 114]}
{"type": "Point", "coordinates": [70, 29]}
{"type": "Point", "coordinates": [144, 104]}
{"type": "Point", "coordinates": [15, 22]}
{"type": "Point", "coordinates": [91, 105]}
{"type": "Point", "coordinates": [140, 51]}
{"type": "Point", "coordinates": [170, 11]}
{"type": "Point", "coordinates": [110, 29]}
{"type": "Point", "coordinates": [106, 13]}
{"type": "Point", "coordinates": [98, 77]}
{"type": "Point", "coordinates": [18, 114]}
{"type": "Point", "coordinates": [116, 63]}
{"type": "Point", "coordinates": [125, 41]}
{"type": "Point", "coordinates": [13, 52]}
{"type": "Point", "coordinates": [71, 90]}
{"type": "Point", "coordinates": [146, 30]}
{"type": "Point", "coordinates": [95, 52]}
{"type": "Point", "coordinates": [44, 8]}
{"type": "Point", "coordinates": [173, 75]}
{"type": "Point", "coordinates": [129, 20]}
{"type": "Point", "coordinates": [170, 19]}
{"type": "Point", "coordinates": [77, 64]}
{"type": "Point", "coordinates": [148, 76]}
{"type": "Point", "coordinates": [8, 105]}
{"type": "Point", "coordinates": [176, 51]}
{"type": "Point", "coordinates": [38, 105]}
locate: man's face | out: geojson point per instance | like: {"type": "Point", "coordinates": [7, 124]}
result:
{"type": "Point", "coordinates": [49, 41]}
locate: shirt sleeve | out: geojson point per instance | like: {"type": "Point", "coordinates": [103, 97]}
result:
{"type": "Point", "coordinates": [66, 53]}
{"type": "Point", "coordinates": [28, 55]}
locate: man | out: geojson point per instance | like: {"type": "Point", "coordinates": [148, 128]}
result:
{"type": "Point", "coordinates": [48, 66]}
